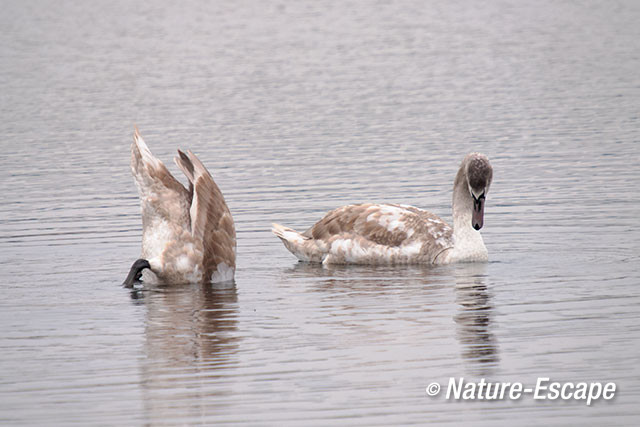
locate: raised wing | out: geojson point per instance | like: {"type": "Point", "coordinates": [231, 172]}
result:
{"type": "Point", "coordinates": [211, 221]}
{"type": "Point", "coordinates": [161, 195]}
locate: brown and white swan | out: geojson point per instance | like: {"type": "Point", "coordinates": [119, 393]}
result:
{"type": "Point", "coordinates": [188, 235]}
{"type": "Point", "coordinates": [399, 234]}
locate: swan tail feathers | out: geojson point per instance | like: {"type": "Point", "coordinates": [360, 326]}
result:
{"type": "Point", "coordinates": [303, 247]}
{"type": "Point", "coordinates": [287, 234]}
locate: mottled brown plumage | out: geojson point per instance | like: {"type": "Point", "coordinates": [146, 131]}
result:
{"type": "Point", "coordinates": [211, 220]}
{"type": "Point", "coordinates": [370, 234]}
{"type": "Point", "coordinates": [188, 234]}
{"type": "Point", "coordinates": [398, 234]}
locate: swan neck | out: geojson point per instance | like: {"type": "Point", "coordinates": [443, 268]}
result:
{"type": "Point", "coordinates": [462, 204]}
{"type": "Point", "coordinates": [468, 245]}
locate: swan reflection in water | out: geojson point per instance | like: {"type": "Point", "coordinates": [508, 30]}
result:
{"type": "Point", "coordinates": [190, 339]}
{"type": "Point", "coordinates": [474, 319]}
{"type": "Point", "coordinates": [426, 292]}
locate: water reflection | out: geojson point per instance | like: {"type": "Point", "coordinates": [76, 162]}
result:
{"type": "Point", "coordinates": [426, 291]}
{"type": "Point", "coordinates": [474, 319]}
{"type": "Point", "coordinates": [190, 338]}
{"type": "Point", "coordinates": [365, 277]}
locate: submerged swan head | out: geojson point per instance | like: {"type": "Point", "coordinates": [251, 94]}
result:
{"type": "Point", "coordinates": [471, 187]}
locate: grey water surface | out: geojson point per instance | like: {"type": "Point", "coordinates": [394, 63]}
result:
{"type": "Point", "coordinates": [297, 108]}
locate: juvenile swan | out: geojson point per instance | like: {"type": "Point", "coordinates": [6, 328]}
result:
{"type": "Point", "coordinates": [187, 235]}
{"type": "Point", "coordinates": [399, 234]}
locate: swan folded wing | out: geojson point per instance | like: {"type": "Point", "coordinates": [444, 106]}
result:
{"type": "Point", "coordinates": [161, 195]}
{"type": "Point", "coordinates": [211, 221]}
{"type": "Point", "coordinates": [380, 224]}
{"type": "Point", "coordinates": [387, 225]}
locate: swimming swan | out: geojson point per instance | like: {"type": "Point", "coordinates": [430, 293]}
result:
{"type": "Point", "coordinates": [399, 234]}
{"type": "Point", "coordinates": [188, 236]}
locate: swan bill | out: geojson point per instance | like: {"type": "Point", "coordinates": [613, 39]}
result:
{"type": "Point", "coordinates": [477, 217]}
{"type": "Point", "coordinates": [136, 272]}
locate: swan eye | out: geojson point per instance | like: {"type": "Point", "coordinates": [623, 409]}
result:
{"type": "Point", "coordinates": [482, 191]}
{"type": "Point", "coordinates": [480, 197]}
{"type": "Point", "coordinates": [477, 201]}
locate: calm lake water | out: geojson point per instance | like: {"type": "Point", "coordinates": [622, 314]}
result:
{"type": "Point", "coordinates": [297, 108]}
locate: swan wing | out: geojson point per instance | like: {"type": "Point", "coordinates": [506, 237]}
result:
{"type": "Point", "coordinates": [162, 197]}
{"type": "Point", "coordinates": [211, 221]}
{"type": "Point", "coordinates": [384, 230]}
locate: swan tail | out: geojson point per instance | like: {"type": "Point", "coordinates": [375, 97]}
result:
{"type": "Point", "coordinates": [288, 234]}
{"type": "Point", "coordinates": [303, 247]}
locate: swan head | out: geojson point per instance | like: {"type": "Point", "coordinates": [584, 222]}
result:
{"type": "Point", "coordinates": [479, 174]}
{"type": "Point", "coordinates": [136, 272]}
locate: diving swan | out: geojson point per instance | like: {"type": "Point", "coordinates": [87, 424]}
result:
{"type": "Point", "coordinates": [399, 234]}
{"type": "Point", "coordinates": [188, 236]}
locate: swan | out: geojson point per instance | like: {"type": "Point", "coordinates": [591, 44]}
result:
{"type": "Point", "coordinates": [399, 234]}
{"type": "Point", "coordinates": [188, 236]}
